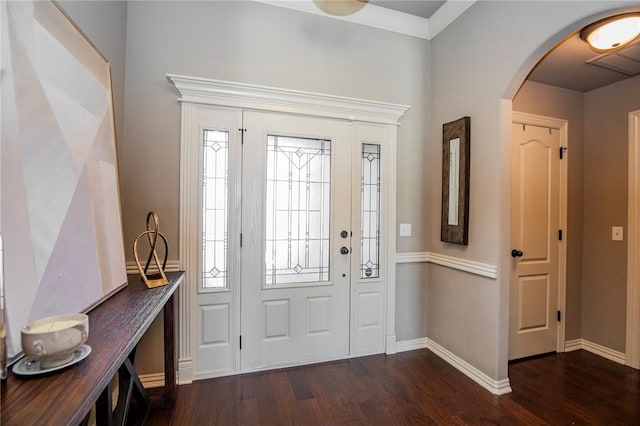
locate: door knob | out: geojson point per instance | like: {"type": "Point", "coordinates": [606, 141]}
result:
{"type": "Point", "coordinates": [516, 253]}
{"type": "Point", "coordinates": [344, 250]}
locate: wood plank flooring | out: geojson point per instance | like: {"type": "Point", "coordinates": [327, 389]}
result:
{"type": "Point", "coordinates": [414, 388]}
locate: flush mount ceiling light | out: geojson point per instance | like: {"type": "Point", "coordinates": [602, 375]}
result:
{"type": "Point", "coordinates": [340, 7]}
{"type": "Point", "coordinates": [613, 32]}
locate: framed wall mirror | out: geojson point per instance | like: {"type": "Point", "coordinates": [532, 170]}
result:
{"type": "Point", "coordinates": [456, 139]}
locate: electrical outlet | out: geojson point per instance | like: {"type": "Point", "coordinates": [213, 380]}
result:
{"type": "Point", "coordinates": [617, 233]}
{"type": "Point", "coordinates": [405, 229]}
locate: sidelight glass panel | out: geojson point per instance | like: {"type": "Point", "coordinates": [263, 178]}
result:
{"type": "Point", "coordinates": [370, 212]}
{"type": "Point", "coordinates": [215, 186]}
{"type": "Point", "coordinates": [297, 210]}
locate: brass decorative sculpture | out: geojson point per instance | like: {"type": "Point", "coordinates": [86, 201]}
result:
{"type": "Point", "coordinates": [152, 233]}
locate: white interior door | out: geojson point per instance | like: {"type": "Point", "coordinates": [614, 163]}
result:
{"type": "Point", "coordinates": [535, 224]}
{"type": "Point", "coordinates": [296, 240]}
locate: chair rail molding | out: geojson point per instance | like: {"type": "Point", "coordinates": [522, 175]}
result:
{"type": "Point", "coordinates": [477, 268]}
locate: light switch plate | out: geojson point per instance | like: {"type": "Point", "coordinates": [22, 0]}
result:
{"type": "Point", "coordinates": [405, 229]}
{"type": "Point", "coordinates": [617, 233]}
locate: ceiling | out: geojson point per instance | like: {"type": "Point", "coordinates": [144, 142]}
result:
{"type": "Point", "coordinates": [565, 66]}
{"type": "Point", "coordinates": [421, 8]}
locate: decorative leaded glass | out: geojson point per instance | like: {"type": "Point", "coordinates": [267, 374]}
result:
{"type": "Point", "coordinates": [215, 184]}
{"type": "Point", "coordinates": [370, 212]}
{"type": "Point", "coordinates": [297, 210]}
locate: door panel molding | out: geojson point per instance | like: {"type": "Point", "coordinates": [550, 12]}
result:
{"type": "Point", "coordinates": [195, 93]}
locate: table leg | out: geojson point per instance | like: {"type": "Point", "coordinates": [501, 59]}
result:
{"type": "Point", "coordinates": [169, 354]}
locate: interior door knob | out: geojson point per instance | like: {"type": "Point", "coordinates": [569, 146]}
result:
{"type": "Point", "coordinates": [516, 253]}
{"type": "Point", "coordinates": [344, 250]}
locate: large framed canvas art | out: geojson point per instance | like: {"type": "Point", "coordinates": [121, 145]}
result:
{"type": "Point", "coordinates": [60, 216]}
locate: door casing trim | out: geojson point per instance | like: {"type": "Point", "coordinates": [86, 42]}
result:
{"type": "Point", "coordinates": [633, 245]}
{"type": "Point", "coordinates": [195, 91]}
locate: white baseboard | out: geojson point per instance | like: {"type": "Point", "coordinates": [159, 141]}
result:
{"type": "Point", "coordinates": [572, 345]}
{"type": "Point", "coordinates": [412, 345]}
{"type": "Point", "coordinates": [185, 371]}
{"type": "Point", "coordinates": [594, 348]}
{"type": "Point", "coordinates": [496, 387]}
{"type": "Point", "coordinates": [391, 345]}
{"type": "Point", "coordinates": [154, 380]}
{"type": "Point", "coordinates": [172, 266]}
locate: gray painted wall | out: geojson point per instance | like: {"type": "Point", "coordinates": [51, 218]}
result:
{"type": "Point", "coordinates": [604, 287]}
{"type": "Point", "coordinates": [260, 44]}
{"type": "Point", "coordinates": [105, 24]}
{"type": "Point", "coordinates": [411, 298]}
{"type": "Point", "coordinates": [483, 57]}
{"type": "Point", "coordinates": [550, 101]}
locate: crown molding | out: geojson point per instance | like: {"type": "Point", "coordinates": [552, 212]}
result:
{"type": "Point", "coordinates": [266, 98]}
{"type": "Point", "coordinates": [448, 12]}
{"type": "Point", "coordinates": [388, 19]}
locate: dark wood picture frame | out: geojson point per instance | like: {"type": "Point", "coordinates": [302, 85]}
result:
{"type": "Point", "coordinates": [456, 144]}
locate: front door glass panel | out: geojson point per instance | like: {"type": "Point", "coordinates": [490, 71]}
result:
{"type": "Point", "coordinates": [298, 209]}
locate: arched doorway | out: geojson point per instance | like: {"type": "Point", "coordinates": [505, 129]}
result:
{"type": "Point", "coordinates": [592, 215]}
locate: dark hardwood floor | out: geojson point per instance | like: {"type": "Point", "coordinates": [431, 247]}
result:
{"type": "Point", "coordinates": [414, 388]}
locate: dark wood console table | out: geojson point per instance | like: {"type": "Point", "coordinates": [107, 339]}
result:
{"type": "Point", "coordinates": [115, 328]}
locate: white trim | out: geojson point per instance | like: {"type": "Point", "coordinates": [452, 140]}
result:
{"type": "Point", "coordinates": [573, 345]}
{"type": "Point", "coordinates": [448, 12]}
{"type": "Point", "coordinates": [496, 387]}
{"type": "Point", "coordinates": [172, 266]}
{"type": "Point", "coordinates": [390, 233]}
{"type": "Point", "coordinates": [413, 257]}
{"type": "Point", "coordinates": [193, 91]}
{"type": "Point", "coordinates": [153, 380]}
{"type": "Point", "coordinates": [594, 348]}
{"type": "Point", "coordinates": [370, 15]}
{"type": "Point", "coordinates": [470, 266]}
{"type": "Point", "coordinates": [412, 345]}
{"type": "Point", "coordinates": [185, 371]}
{"type": "Point", "coordinates": [188, 244]}
{"type": "Point", "coordinates": [388, 19]}
{"type": "Point", "coordinates": [563, 128]}
{"type": "Point", "coordinates": [633, 245]}
{"type": "Point", "coordinates": [267, 98]}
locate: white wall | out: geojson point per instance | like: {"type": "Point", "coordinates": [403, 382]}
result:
{"type": "Point", "coordinates": [476, 62]}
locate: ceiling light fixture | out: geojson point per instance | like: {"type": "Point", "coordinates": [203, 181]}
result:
{"type": "Point", "coordinates": [613, 32]}
{"type": "Point", "coordinates": [340, 7]}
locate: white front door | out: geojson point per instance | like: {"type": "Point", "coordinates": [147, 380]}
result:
{"type": "Point", "coordinates": [291, 265]}
{"type": "Point", "coordinates": [533, 325]}
{"type": "Point", "coordinates": [296, 240]}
